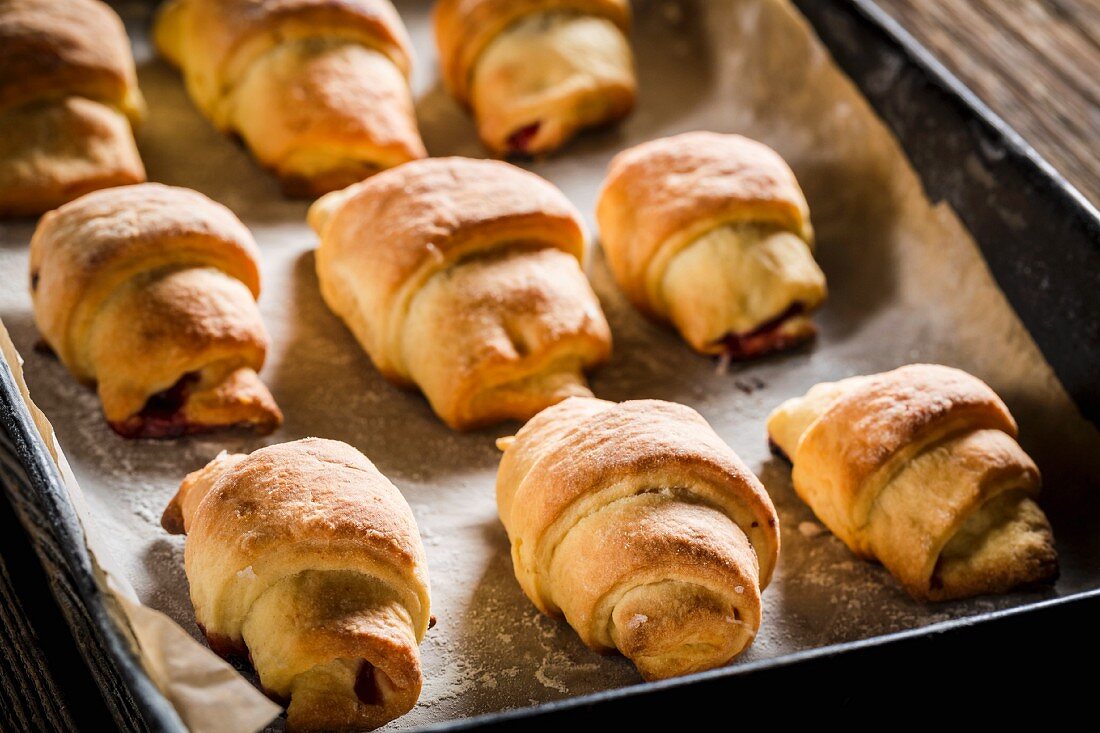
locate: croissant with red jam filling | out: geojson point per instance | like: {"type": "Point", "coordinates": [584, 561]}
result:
{"type": "Point", "coordinates": [149, 293]}
{"type": "Point", "coordinates": [712, 232]}
{"type": "Point", "coordinates": [329, 604]}
{"type": "Point", "coordinates": [535, 72]}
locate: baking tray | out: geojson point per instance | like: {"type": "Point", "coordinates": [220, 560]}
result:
{"type": "Point", "coordinates": [1041, 242]}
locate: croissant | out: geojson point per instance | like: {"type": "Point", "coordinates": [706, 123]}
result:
{"type": "Point", "coordinates": [68, 98]}
{"type": "Point", "coordinates": [535, 72]}
{"type": "Point", "coordinates": [149, 292]}
{"type": "Point", "coordinates": [318, 89]}
{"type": "Point", "coordinates": [712, 233]}
{"type": "Point", "coordinates": [305, 558]}
{"type": "Point", "coordinates": [639, 525]}
{"type": "Point", "coordinates": [464, 277]}
{"type": "Point", "coordinates": [919, 469]}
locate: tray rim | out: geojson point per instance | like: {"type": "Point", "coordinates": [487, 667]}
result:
{"type": "Point", "coordinates": [744, 669]}
{"type": "Point", "coordinates": [148, 708]}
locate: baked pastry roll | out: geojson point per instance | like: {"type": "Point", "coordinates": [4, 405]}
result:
{"type": "Point", "coordinates": [712, 233]}
{"type": "Point", "coordinates": [149, 293]}
{"type": "Point", "coordinates": [68, 98]}
{"type": "Point", "coordinates": [328, 604]}
{"type": "Point", "coordinates": [318, 89]}
{"type": "Point", "coordinates": [639, 525]}
{"type": "Point", "coordinates": [463, 277]}
{"type": "Point", "coordinates": [535, 72]}
{"type": "Point", "coordinates": [919, 469]}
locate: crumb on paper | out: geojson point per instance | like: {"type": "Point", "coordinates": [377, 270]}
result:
{"type": "Point", "coordinates": [811, 529]}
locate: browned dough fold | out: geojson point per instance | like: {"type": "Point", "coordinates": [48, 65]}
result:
{"type": "Point", "coordinates": [642, 528]}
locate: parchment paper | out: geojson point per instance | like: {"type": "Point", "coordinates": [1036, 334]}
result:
{"type": "Point", "coordinates": [906, 285]}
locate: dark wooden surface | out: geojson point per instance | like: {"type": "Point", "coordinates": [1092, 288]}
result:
{"type": "Point", "coordinates": [45, 683]}
{"type": "Point", "coordinates": [29, 698]}
{"type": "Point", "coordinates": [1036, 63]}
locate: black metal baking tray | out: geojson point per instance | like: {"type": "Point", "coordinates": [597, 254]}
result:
{"type": "Point", "coordinates": [1041, 240]}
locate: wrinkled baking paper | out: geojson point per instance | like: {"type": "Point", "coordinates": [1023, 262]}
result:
{"type": "Point", "coordinates": [906, 284]}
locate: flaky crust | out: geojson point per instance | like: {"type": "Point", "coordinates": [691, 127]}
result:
{"type": "Point", "coordinates": [215, 41]}
{"type": "Point", "coordinates": [505, 335]}
{"type": "Point", "coordinates": [642, 527]}
{"type": "Point", "coordinates": [148, 288]}
{"type": "Point", "coordinates": [384, 241]}
{"type": "Point", "coordinates": [317, 88]}
{"type": "Point", "coordinates": [661, 196]}
{"type": "Point", "coordinates": [53, 153]}
{"type": "Point", "coordinates": [305, 557]}
{"type": "Point", "coordinates": [326, 117]}
{"type": "Point", "coordinates": [68, 96]}
{"type": "Point", "coordinates": [895, 414]}
{"type": "Point", "coordinates": [899, 465]}
{"type": "Point", "coordinates": [53, 50]}
{"type": "Point", "coordinates": [463, 28]}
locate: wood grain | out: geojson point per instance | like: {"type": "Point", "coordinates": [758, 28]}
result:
{"type": "Point", "coordinates": [29, 697]}
{"type": "Point", "coordinates": [1036, 63]}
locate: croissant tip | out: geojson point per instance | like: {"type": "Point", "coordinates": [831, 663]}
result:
{"type": "Point", "coordinates": [505, 443]}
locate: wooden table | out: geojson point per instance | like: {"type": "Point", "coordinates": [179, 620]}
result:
{"type": "Point", "coordinates": [1034, 62]}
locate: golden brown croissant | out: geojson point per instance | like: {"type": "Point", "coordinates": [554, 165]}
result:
{"type": "Point", "coordinates": [150, 292]}
{"type": "Point", "coordinates": [639, 525]}
{"type": "Point", "coordinates": [919, 469]}
{"type": "Point", "coordinates": [464, 278]}
{"type": "Point", "coordinates": [68, 98]}
{"type": "Point", "coordinates": [537, 71]}
{"type": "Point", "coordinates": [712, 233]}
{"type": "Point", "coordinates": [307, 559]}
{"type": "Point", "coordinates": [318, 89]}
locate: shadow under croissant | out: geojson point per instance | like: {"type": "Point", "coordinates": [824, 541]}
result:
{"type": "Point", "coordinates": [167, 593]}
{"type": "Point", "coordinates": [504, 650]}
{"type": "Point", "coordinates": [1070, 480]}
{"type": "Point", "coordinates": [445, 126]}
{"type": "Point", "coordinates": [15, 235]}
{"type": "Point", "coordinates": [682, 72]}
